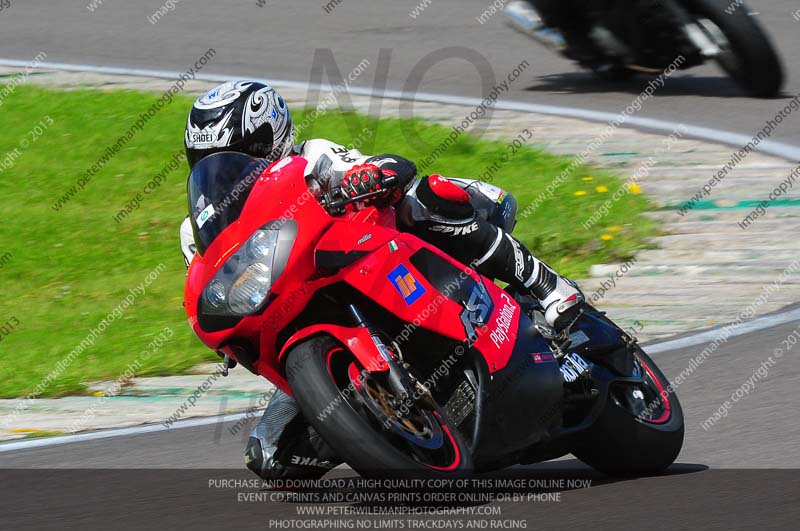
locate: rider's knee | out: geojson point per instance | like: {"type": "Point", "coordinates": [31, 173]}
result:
{"type": "Point", "coordinates": [486, 201]}
{"type": "Point", "coordinates": [503, 212]}
{"type": "Point", "coordinates": [492, 203]}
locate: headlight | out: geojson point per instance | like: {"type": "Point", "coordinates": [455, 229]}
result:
{"type": "Point", "coordinates": [242, 285]}
{"type": "Point", "coordinates": [262, 243]}
{"type": "Point", "coordinates": [215, 293]}
{"type": "Point", "coordinates": [250, 289]}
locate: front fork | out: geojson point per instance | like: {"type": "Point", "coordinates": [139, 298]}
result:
{"type": "Point", "coordinates": [401, 383]}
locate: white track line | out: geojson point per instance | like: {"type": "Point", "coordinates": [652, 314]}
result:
{"type": "Point", "coordinates": [773, 148]}
{"type": "Point", "coordinates": [738, 140]}
{"type": "Point", "coordinates": [761, 323]}
{"type": "Point", "coordinates": [118, 432]}
{"type": "Point", "coordinates": [707, 336]}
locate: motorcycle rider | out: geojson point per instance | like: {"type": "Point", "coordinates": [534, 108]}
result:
{"type": "Point", "coordinates": [470, 220]}
{"type": "Point", "coordinates": [650, 26]}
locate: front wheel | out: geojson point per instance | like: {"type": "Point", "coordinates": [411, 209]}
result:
{"type": "Point", "coordinates": [370, 429]}
{"type": "Point", "coordinates": [747, 55]}
{"type": "Point", "coordinates": [640, 430]}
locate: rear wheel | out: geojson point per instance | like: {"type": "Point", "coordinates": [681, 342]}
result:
{"type": "Point", "coordinates": [369, 428]}
{"type": "Point", "coordinates": [747, 56]}
{"type": "Point", "coordinates": [641, 428]}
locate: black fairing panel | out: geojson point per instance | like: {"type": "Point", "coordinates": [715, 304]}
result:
{"type": "Point", "coordinates": [336, 260]}
{"type": "Point", "coordinates": [521, 402]}
{"type": "Point", "coordinates": [606, 345]}
{"type": "Point", "coordinates": [524, 400]}
{"type": "Point", "coordinates": [443, 275]}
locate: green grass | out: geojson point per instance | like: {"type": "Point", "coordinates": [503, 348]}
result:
{"type": "Point", "coordinates": [69, 269]}
{"type": "Point", "coordinates": [43, 433]}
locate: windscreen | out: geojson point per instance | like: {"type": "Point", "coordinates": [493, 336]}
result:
{"type": "Point", "coordinates": [218, 188]}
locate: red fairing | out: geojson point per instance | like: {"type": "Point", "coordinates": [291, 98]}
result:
{"type": "Point", "coordinates": [279, 193]}
{"type": "Point", "coordinates": [346, 236]}
{"type": "Point", "coordinates": [420, 305]}
{"type": "Point", "coordinates": [378, 265]}
{"type": "Point", "coordinates": [357, 340]}
{"type": "Point", "coordinates": [496, 339]}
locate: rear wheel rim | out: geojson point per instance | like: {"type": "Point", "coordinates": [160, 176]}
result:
{"type": "Point", "coordinates": [648, 401]}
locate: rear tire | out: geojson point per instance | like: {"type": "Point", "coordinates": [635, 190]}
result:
{"type": "Point", "coordinates": [315, 368]}
{"type": "Point", "coordinates": [754, 62]}
{"type": "Point", "coordinates": [621, 444]}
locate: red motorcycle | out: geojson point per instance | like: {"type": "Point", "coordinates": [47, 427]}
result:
{"type": "Point", "coordinates": [405, 360]}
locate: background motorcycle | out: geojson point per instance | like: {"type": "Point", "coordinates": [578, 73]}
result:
{"type": "Point", "coordinates": [403, 359]}
{"type": "Point", "coordinates": [637, 36]}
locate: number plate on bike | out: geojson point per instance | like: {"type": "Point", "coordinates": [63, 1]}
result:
{"type": "Point", "coordinates": [578, 338]}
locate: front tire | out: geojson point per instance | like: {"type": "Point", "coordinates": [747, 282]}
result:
{"type": "Point", "coordinates": [323, 376]}
{"type": "Point", "coordinates": [626, 440]}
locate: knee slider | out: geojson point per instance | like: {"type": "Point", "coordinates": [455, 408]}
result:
{"type": "Point", "coordinates": [505, 213]}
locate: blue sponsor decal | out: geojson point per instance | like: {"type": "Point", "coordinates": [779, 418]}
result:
{"type": "Point", "coordinates": [406, 284]}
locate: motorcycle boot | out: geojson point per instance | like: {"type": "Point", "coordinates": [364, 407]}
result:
{"type": "Point", "coordinates": [284, 446]}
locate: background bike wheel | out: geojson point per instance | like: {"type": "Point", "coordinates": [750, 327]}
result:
{"type": "Point", "coordinates": [751, 59]}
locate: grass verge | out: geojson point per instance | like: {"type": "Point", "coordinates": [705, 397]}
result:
{"type": "Point", "coordinates": [64, 270]}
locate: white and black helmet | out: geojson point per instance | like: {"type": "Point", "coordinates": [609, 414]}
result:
{"type": "Point", "coordinates": [244, 116]}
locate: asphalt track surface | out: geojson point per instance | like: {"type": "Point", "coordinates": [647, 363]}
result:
{"type": "Point", "coordinates": [760, 431]}
{"type": "Point", "coordinates": [278, 41]}
{"type": "Point", "coordinates": [739, 473]}
{"type": "Point", "coordinates": [706, 489]}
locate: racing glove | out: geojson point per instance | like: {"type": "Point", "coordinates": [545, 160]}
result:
{"type": "Point", "coordinates": [363, 179]}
